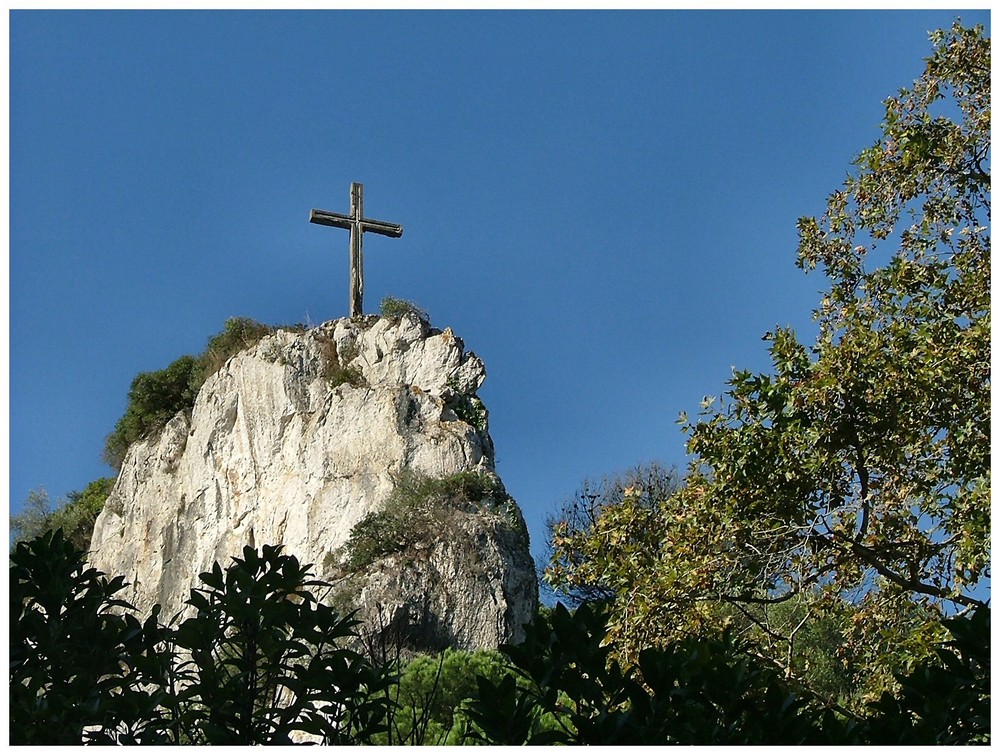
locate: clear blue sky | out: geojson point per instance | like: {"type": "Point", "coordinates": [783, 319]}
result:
{"type": "Point", "coordinates": [602, 205]}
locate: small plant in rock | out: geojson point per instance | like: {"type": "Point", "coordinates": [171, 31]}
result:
{"type": "Point", "coordinates": [471, 410]}
{"type": "Point", "coordinates": [394, 309]}
{"type": "Point", "coordinates": [339, 371]}
{"type": "Point", "coordinates": [467, 407]}
{"type": "Point", "coordinates": [348, 351]}
{"type": "Point", "coordinates": [350, 375]}
{"type": "Point", "coordinates": [238, 334]}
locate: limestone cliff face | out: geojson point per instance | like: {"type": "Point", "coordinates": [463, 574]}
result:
{"type": "Point", "coordinates": [300, 438]}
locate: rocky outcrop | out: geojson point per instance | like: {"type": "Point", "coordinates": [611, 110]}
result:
{"type": "Point", "coordinates": [307, 434]}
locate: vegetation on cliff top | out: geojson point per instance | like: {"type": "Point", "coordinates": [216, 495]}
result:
{"type": "Point", "coordinates": [394, 309]}
{"type": "Point", "coordinates": [156, 397]}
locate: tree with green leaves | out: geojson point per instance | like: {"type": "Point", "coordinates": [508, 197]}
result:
{"type": "Point", "coordinates": [74, 515]}
{"type": "Point", "coordinates": [566, 687]}
{"type": "Point", "coordinates": [944, 700]}
{"type": "Point", "coordinates": [854, 478]}
{"type": "Point", "coordinates": [648, 483]}
{"type": "Point", "coordinates": [33, 518]}
{"type": "Point", "coordinates": [428, 698]}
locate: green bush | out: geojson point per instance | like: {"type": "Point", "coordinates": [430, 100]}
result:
{"type": "Point", "coordinates": [394, 309]}
{"type": "Point", "coordinates": [77, 654]}
{"type": "Point", "coordinates": [268, 661]}
{"type": "Point", "coordinates": [153, 400]}
{"type": "Point", "coordinates": [418, 509]}
{"type": "Point", "coordinates": [430, 693]}
{"type": "Point", "coordinates": [377, 534]}
{"type": "Point", "coordinates": [944, 701]}
{"type": "Point", "coordinates": [76, 519]}
{"type": "Point", "coordinates": [156, 397]}
{"type": "Point", "coordinates": [260, 661]}
{"type": "Point", "coordinates": [566, 689]}
{"type": "Point", "coordinates": [75, 515]}
{"type": "Point", "coordinates": [453, 490]}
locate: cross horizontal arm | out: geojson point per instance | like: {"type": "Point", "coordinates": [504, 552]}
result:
{"type": "Point", "coordinates": [335, 219]}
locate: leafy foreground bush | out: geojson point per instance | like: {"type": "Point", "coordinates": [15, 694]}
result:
{"type": "Point", "coordinates": [73, 659]}
{"type": "Point", "coordinates": [946, 703]}
{"type": "Point", "coordinates": [567, 690]}
{"type": "Point", "coordinates": [705, 690]}
{"type": "Point", "coordinates": [262, 661]}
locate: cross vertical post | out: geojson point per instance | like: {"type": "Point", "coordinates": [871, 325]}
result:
{"type": "Point", "coordinates": [357, 253]}
{"type": "Point", "coordinates": [357, 224]}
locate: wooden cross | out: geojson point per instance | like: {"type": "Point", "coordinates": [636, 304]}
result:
{"type": "Point", "coordinates": [357, 224]}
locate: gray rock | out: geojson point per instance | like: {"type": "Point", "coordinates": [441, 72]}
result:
{"type": "Point", "coordinates": [299, 438]}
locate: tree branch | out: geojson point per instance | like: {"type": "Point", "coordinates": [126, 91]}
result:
{"type": "Point", "coordinates": [871, 558]}
{"type": "Point", "coordinates": [810, 580]}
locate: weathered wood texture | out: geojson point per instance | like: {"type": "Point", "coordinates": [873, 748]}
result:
{"type": "Point", "coordinates": [357, 224]}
